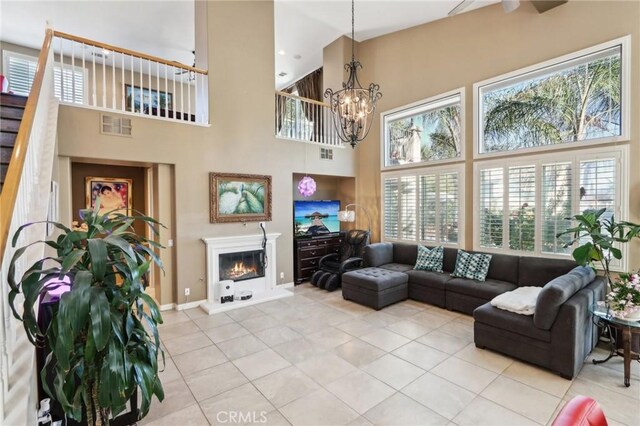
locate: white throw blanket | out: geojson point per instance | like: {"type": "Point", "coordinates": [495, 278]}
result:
{"type": "Point", "coordinates": [521, 300]}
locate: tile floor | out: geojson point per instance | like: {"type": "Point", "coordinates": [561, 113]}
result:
{"type": "Point", "coordinates": [316, 359]}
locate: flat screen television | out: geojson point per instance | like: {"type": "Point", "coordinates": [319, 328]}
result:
{"type": "Point", "coordinates": [315, 217]}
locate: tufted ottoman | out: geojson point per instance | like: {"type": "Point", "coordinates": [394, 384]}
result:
{"type": "Point", "coordinates": [375, 287]}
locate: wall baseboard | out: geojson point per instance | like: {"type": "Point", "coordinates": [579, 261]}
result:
{"type": "Point", "coordinates": [167, 307]}
{"type": "Point", "coordinates": [287, 285]}
{"type": "Point", "coordinates": [189, 305]}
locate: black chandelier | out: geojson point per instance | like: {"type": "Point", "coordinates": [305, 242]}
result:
{"type": "Point", "coordinates": [352, 106]}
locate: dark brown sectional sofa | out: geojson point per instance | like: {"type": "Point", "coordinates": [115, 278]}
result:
{"type": "Point", "coordinates": [558, 336]}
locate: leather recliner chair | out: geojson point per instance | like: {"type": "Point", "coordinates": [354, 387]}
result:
{"type": "Point", "coordinates": [332, 266]}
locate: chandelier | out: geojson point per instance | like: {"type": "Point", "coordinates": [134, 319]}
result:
{"type": "Point", "coordinates": [352, 106]}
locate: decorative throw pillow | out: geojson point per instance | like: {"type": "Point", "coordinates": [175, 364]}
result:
{"type": "Point", "coordinates": [472, 265]}
{"type": "Point", "coordinates": [429, 260]}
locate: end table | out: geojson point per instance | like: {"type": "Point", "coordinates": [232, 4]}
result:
{"type": "Point", "coordinates": [604, 318]}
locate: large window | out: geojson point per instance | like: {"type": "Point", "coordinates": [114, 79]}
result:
{"type": "Point", "coordinates": [424, 205]}
{"type": "Point", "coordinates": [21, 70]}
{"type": "Point", "coordinates": [524, 204]}
{"type": "Point", "coordinates": [573, 99]}
{"type": "Point", "coordinates": [427, 131]}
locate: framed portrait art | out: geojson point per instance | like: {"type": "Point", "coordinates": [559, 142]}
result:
{"type": "Point", "coordinates": [239, 198]}
{"type": "Point", "coordinates": [115, 194]}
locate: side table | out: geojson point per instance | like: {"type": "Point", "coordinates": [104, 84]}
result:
{"type": "Point", "coordinates": [603, 318]}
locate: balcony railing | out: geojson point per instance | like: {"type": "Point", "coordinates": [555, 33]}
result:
{"type": "Point", "coordinates": [99, 75]}
{"type": "Point", "coordinates": [304, 120]}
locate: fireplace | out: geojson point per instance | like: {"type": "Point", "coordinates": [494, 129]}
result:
{"type": "Point", "coordinates": [240, 266]}
{"type": "Point", "coordinates": [238, 258]}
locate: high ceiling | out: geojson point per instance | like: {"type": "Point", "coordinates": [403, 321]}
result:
{"type": "Point", "coordinates": [166, 28]}
{"type": "Point", "coordinates": [304, 27]}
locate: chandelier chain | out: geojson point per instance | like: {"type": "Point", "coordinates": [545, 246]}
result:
{"type": "Point", "coordinates": [353, 26]}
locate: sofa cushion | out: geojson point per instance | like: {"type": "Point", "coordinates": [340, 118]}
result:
{"type": "Point", "coordinates": [377, 279]}
{"type": "Point", "coordinates": [503, 267]}
{"type": "Point", "coordinates": [558, 291]}
{"type": "Point", "coordinates": [450, 257]}
{"type": "Point", "coordinates": [512, 322]}
{"type": "Point", "coordinates": [429, 259]}
{"type": "Point", "coordinates": [428, 279]}
{"type": "Point", "coordinates": [486, 290]}
{"type": "Point", "coordinates": [378, 254]}
{"type": "Point", "coordinates": [406, 253]}
{"type": "Point", "coordinates": [537, 271]}
{"type": "Point", "coordinates": [472, 265]}
{"type": "Point", "coordinates": [397, 267]}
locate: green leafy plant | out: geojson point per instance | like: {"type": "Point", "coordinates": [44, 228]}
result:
{"type": "Point", "coordinates": [103, 333]}
{"type": "Point", "coordinates": [597, 237]}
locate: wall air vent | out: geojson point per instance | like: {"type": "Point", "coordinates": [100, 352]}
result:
{"type": "Point", "coordinates": [119, 126]}
{"type": "Point", "coordinates": [326, 154]}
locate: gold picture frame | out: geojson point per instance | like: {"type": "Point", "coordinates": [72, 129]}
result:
{"type": "Point", "coordinates": [116, 194]}
{"type": "Point", "coordinates": [235, 197]}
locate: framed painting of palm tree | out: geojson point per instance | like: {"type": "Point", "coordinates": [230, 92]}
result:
{"type": "Point", "coordinates": [235, 197]}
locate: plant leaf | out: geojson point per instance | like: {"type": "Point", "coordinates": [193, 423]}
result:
{"type": "Point", "coordinates": [99, 257]}
{"type": "Point", "coordinates": [100, 323]}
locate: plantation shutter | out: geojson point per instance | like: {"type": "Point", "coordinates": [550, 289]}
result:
{"type": "Point", "coordinates": [557, 184]}
{"type": "Point", "coordinates": [491, 207]}
{"type": "Point", "coordinates": [449, 207]}
{"type": "Point", "coordinates": [71, 87]}
{"type": "Point", "coordinates": [20, 72]}
{"type": "Point", "coordinates": [391, 204]}
{"type": "Point", "coordinates": [408, 201]}
{"type": "Point", "coordinates": [522, 198]}
{"type": "Point", "coordinates": [428, 196]}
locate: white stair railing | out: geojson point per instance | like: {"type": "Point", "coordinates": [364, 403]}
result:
{"type": "Point", "coordinates": [98, 75]}
{"type": "Point", "coordinates": [25, 199]}
{"type": "Point", "coordinates": [304, 120]}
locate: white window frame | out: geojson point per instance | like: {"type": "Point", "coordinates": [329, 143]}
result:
{"type": "Point", "coordinates": [414, 108]}
{"type": "Point", "coordinates": [438, 170]}
{"type": "Point", "coordinates": [6, 54]}
{"type": "Point", "coordinates": [620, 153]}
{"type": "Point", "coordinates": [546, 67]}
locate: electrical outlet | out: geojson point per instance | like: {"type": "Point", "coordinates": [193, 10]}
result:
{"type": "Point", "coordinates": [282, 275]}
{"type": "Point", "coordinates": [187, 291]}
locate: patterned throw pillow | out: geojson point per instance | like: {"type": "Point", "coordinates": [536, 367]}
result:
{"type": "Point", "coordinates": [429, 260]}
{"type": "Point", "coordinates": [472, 265]}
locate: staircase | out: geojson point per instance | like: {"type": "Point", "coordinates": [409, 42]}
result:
{"type": "Point", "coordinates": [11, 111]}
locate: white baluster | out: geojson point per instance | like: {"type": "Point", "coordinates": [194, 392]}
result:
{"type": "Point", "coordinates": [150, 89]}
{"type": "Point", "coordinates": [189, 96]}
{"type": "Point", "coordinates": [173, 77]}
{"type": "Point", "coordinates": [133, 87]}
{"type": "Point", "coordinates": [141, 90]}
{"type": "Point", "coordinates": [122, 87]}
{"type": "Point", "coordinates": [94, 95]}
{"type": "Point", "coordinates": [61, 70]}
{"type": "Point", "coordinates": [197, 76]}
{"type": "Point", "coordinates": [113, 80]}
{"type": "Point", "coordinates": [73, 72]}
{"type": "Point", "coordinates": [84, 73]}
{"type": "Point", "coordinates": [166, 91]}
{"type": "Point", "coordinates": [104, 79]}
{"type": "Point", "coordinates": [182, 94]}
{"type": "Point", "coordinates": [158, 111]}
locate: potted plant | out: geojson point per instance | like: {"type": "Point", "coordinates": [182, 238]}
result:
{"type": "Point", "coordinates": [597, 237]}
{"type": "Point", "coordinates": [103, 334]}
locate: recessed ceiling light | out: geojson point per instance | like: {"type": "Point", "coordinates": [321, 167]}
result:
{"type": "Point", "coordinates": [281, 52]}
{"type": "Point", "coordinates": [297, 56]}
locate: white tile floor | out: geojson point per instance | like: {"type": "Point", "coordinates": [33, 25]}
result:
{"type": "Point", "coordinates": [316, 359]}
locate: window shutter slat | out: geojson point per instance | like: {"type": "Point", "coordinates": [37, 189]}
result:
{"type": "Point", "coordinates": [491, 207]}
{"type": "Point", "coordinates": [556, 206]}
{"type": "Point", "coordinates": [391, 204]}
{"type": "Point", "coordinates": [522, 197]}
{"type": "Point", "coordinates": [408, 200]}
{"type": "Point", "coordinates": [449, 200]}
{"type": "Point", "coordinates": [428, 196]}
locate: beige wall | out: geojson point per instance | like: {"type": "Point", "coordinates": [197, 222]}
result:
{"type": "Point", "coordinates": [434, 58]}
{"type": "Point", "coordinates": [240, 140]}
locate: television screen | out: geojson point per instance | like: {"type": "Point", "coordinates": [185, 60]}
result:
{"type": "Point", "coordinates": [315, 217]}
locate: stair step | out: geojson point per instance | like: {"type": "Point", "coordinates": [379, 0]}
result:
{"type": "Point", "coordinates": [5, 154]}
{"type": "Point", "coordinates": [9, 125]}
{"type": "Point", "coordinates": [8, 139]}
{"type": "Point", "coordinates": [8, 111]}
{"type": "Point", "coordinates": [14, 100]}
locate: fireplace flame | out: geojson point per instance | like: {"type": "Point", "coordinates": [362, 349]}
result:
{"type": "Point", "coordinates": [240, 270]}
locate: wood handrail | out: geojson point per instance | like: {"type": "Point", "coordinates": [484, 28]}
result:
{"type": "Point", "coordinates": [311, 101]}
{"type": "Point", "coordinates": [16, 163]}
{"type": "Point", "coordinates": [129, 52]}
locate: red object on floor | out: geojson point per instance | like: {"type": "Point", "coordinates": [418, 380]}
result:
{"type": "Point", "coordinates": [581, 411]}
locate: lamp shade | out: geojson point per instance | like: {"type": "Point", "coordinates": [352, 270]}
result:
{"type": "Point", "coordinates": [347, 216]}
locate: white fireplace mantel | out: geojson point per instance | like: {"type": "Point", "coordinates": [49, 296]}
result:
{"type": "Point", "coordinates": [263, 288]}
